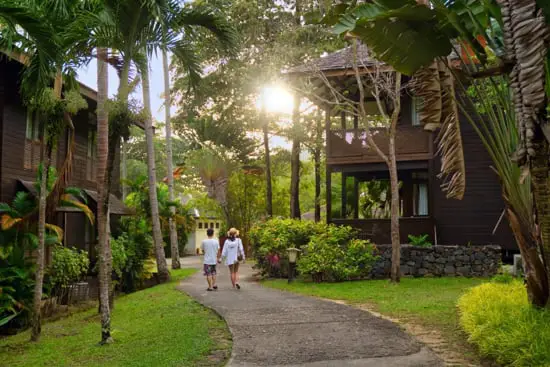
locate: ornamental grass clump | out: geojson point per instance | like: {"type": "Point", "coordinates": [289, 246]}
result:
{"type": "Point", "coordinates": [500, 321]}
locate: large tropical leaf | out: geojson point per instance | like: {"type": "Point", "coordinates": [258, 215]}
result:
{"type": "Point", "coordinates": [406, 37]}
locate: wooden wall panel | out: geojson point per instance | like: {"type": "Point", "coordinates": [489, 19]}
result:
{"type": "Point", "coordinates": [472, 219]}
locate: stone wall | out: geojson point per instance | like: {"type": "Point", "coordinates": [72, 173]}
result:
{"type": "Point", "coordinates": [481, 261]}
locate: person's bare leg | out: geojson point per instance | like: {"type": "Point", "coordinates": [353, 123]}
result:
{"type": "Point", "coordinates": [209, 280]}
{"type": "Point", "coordinates": [232, 276]}
{"type": "Point", "coordinates": [214, 285]}
{"type": "Point", "coordinates": [237, 280]}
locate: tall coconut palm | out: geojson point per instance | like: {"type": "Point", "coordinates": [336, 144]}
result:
{"type": "Point", "coordinates": [47, 36]}
{"type": "Point", "coordinates": [169, 163]}
{"type": "Point", "coordinates": [145, 26]}
{"type": "Point", "coordinates": [103, 192]}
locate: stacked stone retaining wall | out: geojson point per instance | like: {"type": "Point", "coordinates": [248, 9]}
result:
{"type": "Point", "coordinates": [469, 261]}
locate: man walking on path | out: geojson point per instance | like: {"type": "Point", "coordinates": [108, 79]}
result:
{"type": "Point", "coordinates": [210, 248]}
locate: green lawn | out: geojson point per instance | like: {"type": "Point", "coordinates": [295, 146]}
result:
{"type": "Point", "coordinates": [159, 326]}
{"type": "Point", "coordinates": [430, 301]}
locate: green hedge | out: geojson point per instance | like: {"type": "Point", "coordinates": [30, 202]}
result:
{"type": "Point", "coordinates": [499, 320]}
{"type": "Point", "coordinates": [329, 252]}
{"type": "Point", "coordinates": [334, 255]}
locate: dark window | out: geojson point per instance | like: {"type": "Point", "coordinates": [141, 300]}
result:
{"type": "Point", "coordinates": [212, 225]}
{"type": "Point", "coordinates": [217, 225]}
{"type": "Point", "coordinates": [200, 225]}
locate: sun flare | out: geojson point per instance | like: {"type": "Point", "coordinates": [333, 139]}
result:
{"type": "Point", "coordinates": [277, 99]}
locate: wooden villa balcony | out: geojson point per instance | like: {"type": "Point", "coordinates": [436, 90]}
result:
{"type": "Point", "coordinates": [379, 230]}
{"type": "Point", "coordinates": [350, 146]}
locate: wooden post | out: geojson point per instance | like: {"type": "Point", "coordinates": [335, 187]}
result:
{"type": "Point", "coordinates": [356, 198]}
{"type": "Point", "coordinates": [328, 173]}
{"type": "Point", "coordinates": [355, 127]}
{"type": "Point", "coordinates": [343, 121]}
{"type": "Point", "coordinates": [344, 196]}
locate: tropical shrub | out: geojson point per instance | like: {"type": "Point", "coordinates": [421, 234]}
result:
{"type": "Point", "coordinates": [137, 244]}
{"type": "Point", "coordinates": [420, 241]}
{"type": "Point", "coordinates": [500, 321]}
{"type": "Point", "coordinates": [16, 287]}
{"type": "Point", "coordinates": [271, 239]}
{"type": "Point", "coordinates": [334, 255]}
{"type": "Point", "coordinates": [68, 266]}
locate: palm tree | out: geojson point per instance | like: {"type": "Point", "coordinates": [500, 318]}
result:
{"type": "Point", "coordinates": [103, 192]}
{"type": "Point", "coordinates": [517, 128]}
{"type": "Point", "coordinates": [50, 43]}
{"type": "Point", "coordinates": [141, 28]}
{"type": "Point", "coordinates": [169, 163]}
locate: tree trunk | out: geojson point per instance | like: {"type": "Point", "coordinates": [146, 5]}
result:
{"type": "Point", "coordinates": [123, 92]}
{"type": "Point", "coordinates": [123, 169]}
{"type": "Point", "coordinates": [163, 273]}
{"type": "Point", "coordinates": [395, 240]}
{"type": "Point", "coordinates": [103, 194]}
{"type": "Point", "coordinates": [317, 163]}
{"type": "Point", "coordinates": [295, 163]}
{"type": "Point", "coordinates": [169, 166]}
{"type": "Point", "coordinates": [394, 183]}
{"type": "Point", "coordinates": [540, 183]}
{"type": "Point", "coordinates": [268, 180]}
{"type": "Point", "coordinates": [40, 252]}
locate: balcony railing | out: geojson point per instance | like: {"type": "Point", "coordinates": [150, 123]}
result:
{"type": "Point", "coordinates": [351, 146]}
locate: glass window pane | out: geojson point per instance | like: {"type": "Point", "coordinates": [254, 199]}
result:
{"type": "Point", "coordinates": [415, 117]}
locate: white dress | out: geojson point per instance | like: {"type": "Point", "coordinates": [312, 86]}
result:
{"type": "Point", "coordinates": [231, 251]}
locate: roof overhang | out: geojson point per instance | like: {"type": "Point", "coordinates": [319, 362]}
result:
{"type": "Point", "coordinates": [116, 206]}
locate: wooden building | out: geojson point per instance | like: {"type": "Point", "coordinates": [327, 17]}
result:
{"type": "Point", "coordinates": [351, 164]}
{"type": "Point", "coordinates": [20, 156]}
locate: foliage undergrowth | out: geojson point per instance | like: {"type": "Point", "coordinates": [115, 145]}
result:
{"type": "Point", "coordinates": [333, 255]}
{"type": "Point", "coordinates": [272, 238]}
{"type": "Point", "coordinates": [501, 323]}
{"type": "Point", "coordinates": [159, 326]}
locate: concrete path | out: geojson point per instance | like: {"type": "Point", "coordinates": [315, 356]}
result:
{"type": "Point", "coordinates": [275, 328]}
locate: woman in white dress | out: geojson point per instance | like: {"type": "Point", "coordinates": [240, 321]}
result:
{"type": "Point", "coordinates": [233, 252]}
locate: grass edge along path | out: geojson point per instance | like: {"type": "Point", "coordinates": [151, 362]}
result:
{"type": "Point", "coordinates": [158, 326]}
{"type": "Point", "coordinates": [425, 307]}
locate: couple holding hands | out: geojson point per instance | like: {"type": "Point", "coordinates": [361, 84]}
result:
{"type": "Point", "coordinates": [233, 253]}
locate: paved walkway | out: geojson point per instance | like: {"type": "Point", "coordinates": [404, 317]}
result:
{"type": "Point", "coordinates": [275, 328]}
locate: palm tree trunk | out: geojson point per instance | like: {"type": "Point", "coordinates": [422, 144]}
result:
{"type": "Point", "coordinates": [123, 92]}
{"type": "Point", "coordinates": [162, 268]}
{"type": "Point", "coordinates": [169, 166]}
{"type": "Point", "coordinates": [295, 163]}
{"type": "Point", "coordinates": [40, 252]}
{"type": "Point", "coordinates": [268, 180]}
{"type": "Point", "coordinates": [103, 194]}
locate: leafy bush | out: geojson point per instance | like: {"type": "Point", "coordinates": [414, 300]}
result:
{"type": "Point", "coordinates": [68, 266]}
{"type": "Point", "coordinates": [334, 256]}
{"type": "Point", "coordinates": [420, 241]}
{"type": "Point", "coordinates": [16, 287]}
{"type": "Point", "coordinates": [137, 243]}
{"type": "Point", "coordinates": [271, 239]}
{"type": "Point", "coordinates": [499, 320]}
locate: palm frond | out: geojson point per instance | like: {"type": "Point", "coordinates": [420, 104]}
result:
{"type": "Point", "coordinates": [70, 201]}
{"type": "Point", "coordinates": [207, 18]}
{"type": "Point", "coordinates": [57, 230]}
{"type": "Point", "coordinates": [427, 90]}
{"type": "Point", "coordinates": [184, 51]}
{"type": "Point", "coordinates": [449, 140]}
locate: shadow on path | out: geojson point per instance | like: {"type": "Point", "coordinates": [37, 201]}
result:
{"type": "Point", "coordinates": [276, 328]}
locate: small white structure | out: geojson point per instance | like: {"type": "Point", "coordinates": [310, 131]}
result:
{"type": "Point", "coordinates": [202, 224]}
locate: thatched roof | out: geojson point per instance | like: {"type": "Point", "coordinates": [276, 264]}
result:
{"type": "Point", "coordinates": [340, 60]}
